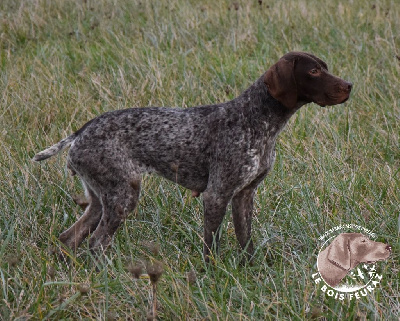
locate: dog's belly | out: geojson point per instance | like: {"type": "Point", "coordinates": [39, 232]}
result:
{"type": "Point", "coordinates": [190, 176]}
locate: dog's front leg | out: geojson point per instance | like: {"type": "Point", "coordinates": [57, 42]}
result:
{"type": "Point", "coordinates": [242, 211]}
{"type": "Point", "coordinates": [214, 212]}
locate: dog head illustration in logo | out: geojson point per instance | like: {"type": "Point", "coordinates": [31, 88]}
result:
{"type": "Point", "coordinates": [345, 252]}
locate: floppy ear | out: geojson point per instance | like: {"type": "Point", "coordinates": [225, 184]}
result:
{"type": "Point", "coordinates": [321, 62]}
{"type": "Point", "coordinates": [339, 252]}
{"type": "Point", "coordinates": [281, 83]}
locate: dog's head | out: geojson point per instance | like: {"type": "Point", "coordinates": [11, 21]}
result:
{"type": "Point", "coordinates": [299, 78]}
{"type": "Point", "coordinates": [349, 249]}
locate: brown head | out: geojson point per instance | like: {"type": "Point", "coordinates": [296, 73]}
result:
{"type": "Point", "coordinates": [349, 249]}
{"type": "Point", "coordinates": [299, 78]}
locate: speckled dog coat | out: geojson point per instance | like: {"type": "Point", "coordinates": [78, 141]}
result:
{"type": "Point", "coordinates": [222, 151]}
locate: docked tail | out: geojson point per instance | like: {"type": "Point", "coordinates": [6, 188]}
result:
{"type": "Point", "coordinates": [62, 144]}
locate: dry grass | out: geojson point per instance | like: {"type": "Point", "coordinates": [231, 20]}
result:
{"type": "Point", "coordinates": [64, 62]}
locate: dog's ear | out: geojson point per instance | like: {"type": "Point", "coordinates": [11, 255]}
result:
{"type": "Point", "coordinates": [321, 62]}
{"type": "Point", "coordinates": [281, 83]}
{"type": "Point", "coordinates": [339, 252]}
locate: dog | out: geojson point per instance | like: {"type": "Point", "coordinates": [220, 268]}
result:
{"type": "Point", "coordinates": [345, 252]}
{"type": "Point", "coordinates": [223, 151]}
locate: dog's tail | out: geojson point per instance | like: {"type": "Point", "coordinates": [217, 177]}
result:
{"type": "Point", "coordinates": [61, 145]}
{"type": "Point", "coordinates": [51, 151]}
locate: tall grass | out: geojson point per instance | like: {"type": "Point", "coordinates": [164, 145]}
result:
{"type": "Point", "coordinates": [65, 62]}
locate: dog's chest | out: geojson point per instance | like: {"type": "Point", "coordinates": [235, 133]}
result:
{"type": "Point", "coordinates": [259, 157]}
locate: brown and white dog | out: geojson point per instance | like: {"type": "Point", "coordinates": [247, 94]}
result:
{"type": "Point", "coordinates": [223, 151]}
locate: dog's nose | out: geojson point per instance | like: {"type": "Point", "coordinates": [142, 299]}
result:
{"type": "Point", "coordinates": [388, 248]}
{"type": "Point", "coordinates": [348, 85]}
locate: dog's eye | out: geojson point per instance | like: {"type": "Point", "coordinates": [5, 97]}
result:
{"type": "Point", "coordinates": [314, 71]}
{"type": "Point", "coordinates": [363, 241]}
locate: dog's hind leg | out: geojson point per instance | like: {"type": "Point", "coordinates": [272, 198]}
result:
{"type": "Point", "coordinates": [118, 201]}
{"type": "Point", "coordinates": [86, 224]}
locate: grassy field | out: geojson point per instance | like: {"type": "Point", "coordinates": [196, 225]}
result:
{"type": "Point", "coordinates": [65, 62]}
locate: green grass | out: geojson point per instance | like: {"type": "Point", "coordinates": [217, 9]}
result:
{"type": "Point", "coordinates": [64, 62]}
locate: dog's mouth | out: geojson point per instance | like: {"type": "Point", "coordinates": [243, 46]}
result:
{"type": "Point", "coordinates": [332, 100]}
{"type": "Point", "coordinates": [380, 259]}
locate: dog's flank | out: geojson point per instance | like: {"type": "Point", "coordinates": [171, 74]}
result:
{"type": "Point", "coordinates": [222, 151]}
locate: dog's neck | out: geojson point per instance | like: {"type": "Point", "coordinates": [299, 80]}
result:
{"type": "Point", "coordinates": [259, 104]}
{"type": "Point", "coordinates": [332, 273]}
